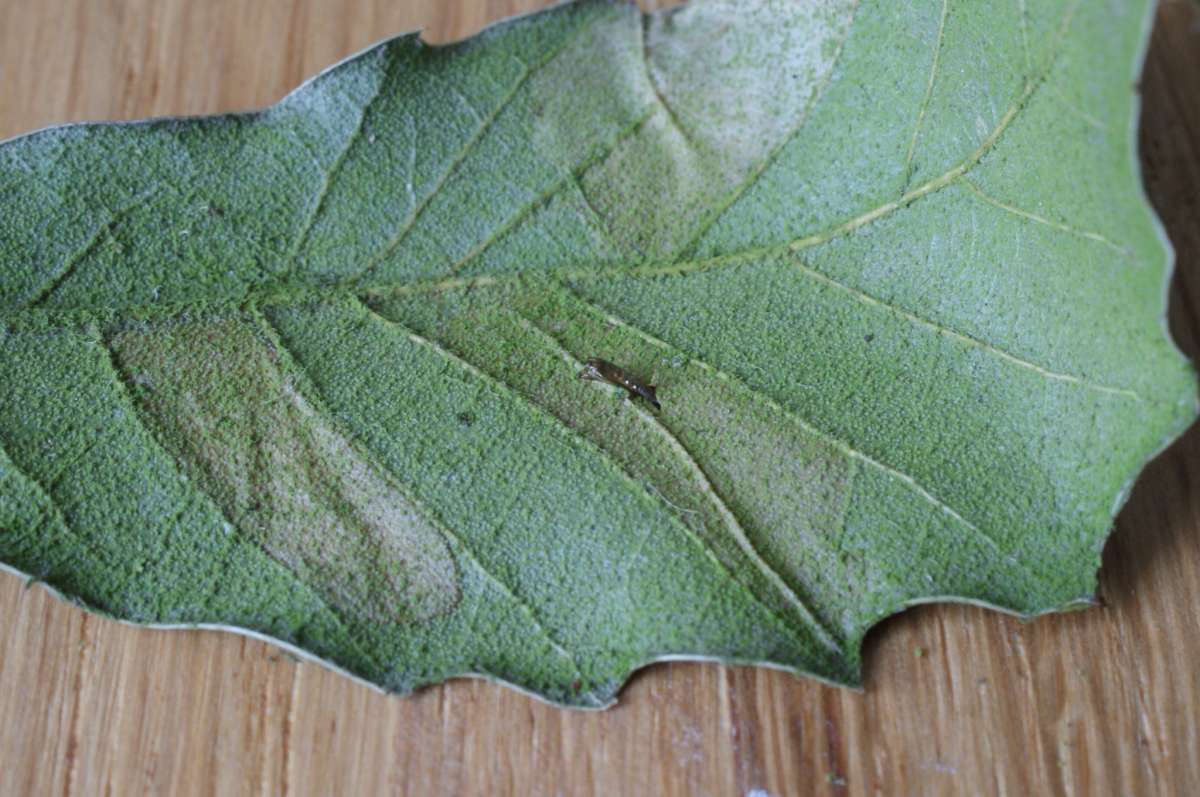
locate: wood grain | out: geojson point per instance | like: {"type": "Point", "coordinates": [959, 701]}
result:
{"type": "Point", "coordinates": [958, 700]}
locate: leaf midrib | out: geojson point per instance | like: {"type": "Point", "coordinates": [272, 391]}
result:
{"type": "Point", "coordinates": [264, 295]}
{"type": "Point", "coordinates": [809, 620]}
{"type": "Point", "coordinates": [269, 294]}
{"type": "Point", "coordinates": [734, 526]}
{"type": "Point", "coordinates": [355, 287]}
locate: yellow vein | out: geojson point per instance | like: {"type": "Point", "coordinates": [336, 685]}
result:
{"type": "Point", "coordinates": [706, 488]}
{"type": "Point", "coordinates": [937, 55]}
{"type": "Point", "coordinates": [867, 298]}
{"type": "Point", "coordinates": [929, 187]}
{"type": "Point", "coordinates": [804, 242]}
{"type": "Point", "coordinates": [836, 442]}
{"type": "Point", "coordinates": [1025, 214]}
{"type": "Point", "coordinates": [950, 175]}
{"type": "Point", "coordinates": [814, 239]}
{"type": "Point", "coordinates": [969, 340]}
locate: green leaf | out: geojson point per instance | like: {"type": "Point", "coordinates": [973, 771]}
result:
{"type": "Point", "coordinates": [312, 372]}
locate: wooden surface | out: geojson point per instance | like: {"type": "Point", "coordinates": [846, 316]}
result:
{"type": "Point", "coordinates": [957, 700]}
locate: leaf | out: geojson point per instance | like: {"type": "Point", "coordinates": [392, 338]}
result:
{"type": "Point", "coordinates": [311, 372]}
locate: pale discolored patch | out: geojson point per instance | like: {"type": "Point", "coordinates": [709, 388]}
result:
{"type": "Point", "coordinates": [740, 78]}
{"type": "Point", "coordinates": [730, 84]}
{"type": "Point", "coordinates": [766, 495]}
{"type": "Point", "coordinates": [218, 391]}
{"type": "Point", "coordinates": [754, 475]}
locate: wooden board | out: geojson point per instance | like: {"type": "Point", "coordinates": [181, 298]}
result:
{"type": "Point", "coordinates": [958, 700]}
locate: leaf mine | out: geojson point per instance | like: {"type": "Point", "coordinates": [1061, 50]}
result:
{"type": "Point", "coordinates": [311, 372]}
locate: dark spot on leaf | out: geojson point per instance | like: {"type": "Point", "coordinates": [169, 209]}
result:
{"type": "Point", "coordinates": [869, 338]}
{"type": "Point", "coordinates": [465, 419]}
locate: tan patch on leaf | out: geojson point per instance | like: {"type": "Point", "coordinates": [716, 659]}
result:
{"type": "Point", "coordinates": [279, 470]}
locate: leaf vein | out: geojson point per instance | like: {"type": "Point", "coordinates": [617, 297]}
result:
{"type": "Point", "coordinates": [1070, 105]}
{"type": "Point", "coordinates": [644, 49]}
{"type": "Point", "coordinates": [601, 222]}
{"type": "Point", "coordinates": [48, 288]}
{"type": "Point", "coordinates": [122, 381]}
{"type": "Point", "coordinates": [580, 440]}
{"type": "Point", "coordinates": [707, 488]}
{"type": "Point", "coordinates": [916, 133]}
{"type": "Point", "coordinates": [318, 203]}
{"type": "Point", "coordinates": [526, 73]}
{"type": "Point", "coordinates": [948, 177]}
{"type": "Point", "coordinates": [1023, 18]}
{"type": "Point", "coordinates": [395, 479]}
{"type": "Point", "coordinates": [572, 176]}
{"type": "Point", "coordinates": [55, 513]}
{"type": "Point", "coordinates": [962, 337]}
{"type": "Point", "coordinates": [1030, 216]}
{"type": "Point", "coordinates": [842, 445]}
{"type": "Point", "coordinates": [774, 154]}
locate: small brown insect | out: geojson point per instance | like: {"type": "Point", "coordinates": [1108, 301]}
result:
{"type": "Point", "coordinates": [604, 371]}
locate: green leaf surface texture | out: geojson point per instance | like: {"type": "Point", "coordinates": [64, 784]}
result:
{"type": "Point", "coordinates": [311, 372]}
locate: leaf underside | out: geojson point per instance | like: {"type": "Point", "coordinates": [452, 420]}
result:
{"type": "Point", "coordinates": [312, 372]}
